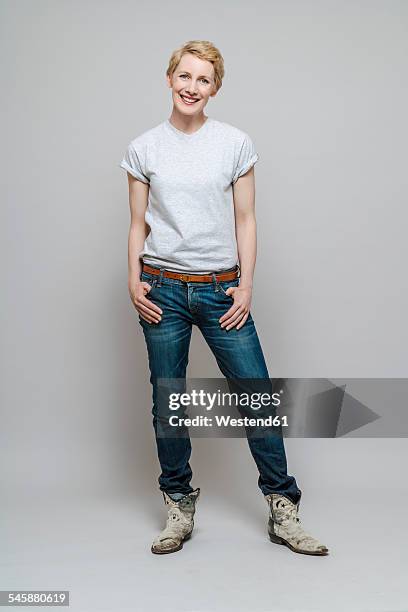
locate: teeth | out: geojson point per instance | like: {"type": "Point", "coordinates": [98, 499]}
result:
{"type": "Point", "coordinates": [188, 100]}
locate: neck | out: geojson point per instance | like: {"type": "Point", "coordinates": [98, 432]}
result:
{"type": "Point", "coordinates": [185, 123]}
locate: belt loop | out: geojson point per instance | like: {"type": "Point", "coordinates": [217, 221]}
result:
{"type": "Point", "coordinates": [215, 282]}
{"type": "Point", "coordinates": [159, 282]}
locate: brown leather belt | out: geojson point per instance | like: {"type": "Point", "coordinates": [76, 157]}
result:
{"type": "Point", "coordinates": [190, 278]}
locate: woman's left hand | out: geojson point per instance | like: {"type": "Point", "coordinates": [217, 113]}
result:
{"type": "Point", "coordinates": [239, 311]}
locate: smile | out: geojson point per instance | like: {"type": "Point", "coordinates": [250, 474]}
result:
{"type": "Point", "coordinates": [188, 100]}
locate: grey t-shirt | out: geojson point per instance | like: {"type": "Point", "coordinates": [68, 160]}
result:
{"type": "Point", "coordinates": [190, 209]}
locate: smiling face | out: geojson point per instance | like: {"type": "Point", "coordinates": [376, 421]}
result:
{"type": "Point", "coordinates": [192, 84]}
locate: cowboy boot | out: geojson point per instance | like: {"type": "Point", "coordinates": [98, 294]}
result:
{"type": "Point", "coordinates": [179, 525]}
{"type": "Point", "coordinates": [285, 527]}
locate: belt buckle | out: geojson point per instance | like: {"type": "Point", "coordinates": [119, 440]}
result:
{"type": "Point", "coordinates": [184, 277]}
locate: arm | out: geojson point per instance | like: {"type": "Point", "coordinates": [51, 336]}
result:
{"type": "Point", "coordinates": [139, 230]}
{"type": "Point", "coordinates": [245, 228]}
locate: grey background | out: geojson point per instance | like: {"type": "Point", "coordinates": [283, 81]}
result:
{"type": "Point", "coordinates": [321, 89]}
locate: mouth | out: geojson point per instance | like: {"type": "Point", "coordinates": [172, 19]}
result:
{"type": "Point", "coordinates": [187, 100]}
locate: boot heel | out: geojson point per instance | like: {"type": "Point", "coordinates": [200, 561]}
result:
{"type": "Point", "coordinates": [276, 539]}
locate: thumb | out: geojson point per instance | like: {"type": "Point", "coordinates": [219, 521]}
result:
{"type": "Point", "coordinates": [147, 287]}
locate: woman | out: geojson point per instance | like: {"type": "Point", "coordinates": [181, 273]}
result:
{"type": "Point", "coordinates": [192, 250]}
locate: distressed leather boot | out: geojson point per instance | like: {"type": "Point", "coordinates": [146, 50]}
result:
{"type": "Point", "coordinates": [285, 527]}
{"type": "Point", "coordinates": [179, 525]}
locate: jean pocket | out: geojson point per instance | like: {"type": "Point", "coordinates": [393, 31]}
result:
{"type": "Point", "coordinates": [224, 285]}
{"type": "Point", "coordinates": [147, 278]}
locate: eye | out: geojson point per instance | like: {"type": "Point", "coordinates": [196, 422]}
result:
{"type": "Point", "coordinates": [205, 81]}
{"type": "Point", "coordinates": [182, 76]}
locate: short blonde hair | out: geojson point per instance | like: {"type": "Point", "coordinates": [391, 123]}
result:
{"type": "Point", "coordinates": [205, 50]}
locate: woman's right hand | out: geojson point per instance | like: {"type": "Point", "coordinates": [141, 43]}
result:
{"type": "Point", "coordinates": [146, 309]}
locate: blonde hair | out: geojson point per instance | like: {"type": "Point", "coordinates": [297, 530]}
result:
{"type": "Point", "coordinates": [205, 50]}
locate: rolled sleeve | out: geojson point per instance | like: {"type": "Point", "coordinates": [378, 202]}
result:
{"type": "Point", "coordinates": [133, 162]}
{"type": "Point", "coordinates": [246, 159]}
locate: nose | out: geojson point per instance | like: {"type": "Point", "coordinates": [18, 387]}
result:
{"type": "Point", "coordinates": [192, 88]}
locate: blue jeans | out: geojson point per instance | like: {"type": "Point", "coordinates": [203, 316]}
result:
{"type": "Point", "coordinates": [238, 354]}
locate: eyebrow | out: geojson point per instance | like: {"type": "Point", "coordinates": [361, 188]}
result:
{"type": "Point", "coordinates": [187, 72]}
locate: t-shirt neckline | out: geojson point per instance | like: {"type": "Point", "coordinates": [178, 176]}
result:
{"type": "Point", "coordinates": [182, 134]}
